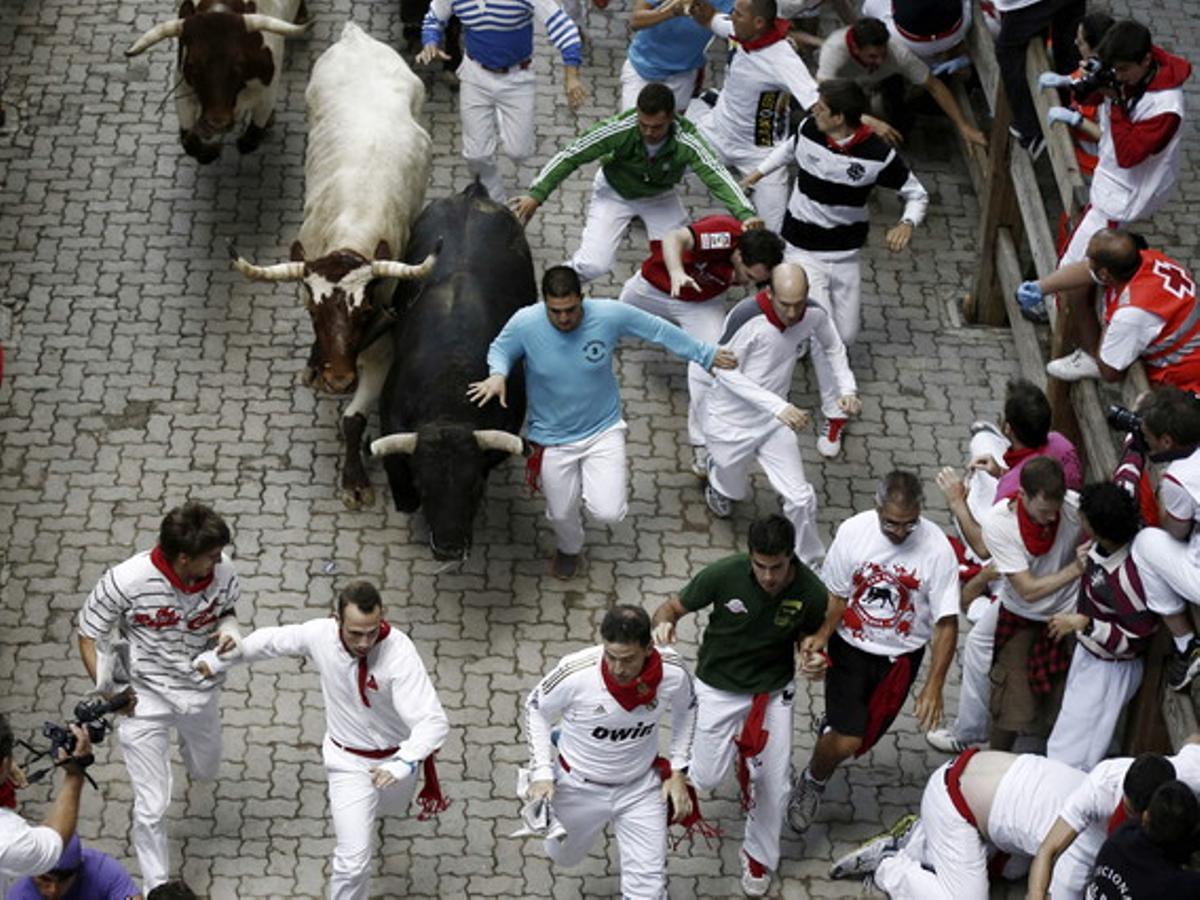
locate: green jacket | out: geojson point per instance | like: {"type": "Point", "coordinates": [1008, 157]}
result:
{"type": "Point", "coordinates": [633, 174]}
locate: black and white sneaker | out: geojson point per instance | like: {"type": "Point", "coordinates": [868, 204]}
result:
{"type": "Point", "coordinates": [1183, 667]}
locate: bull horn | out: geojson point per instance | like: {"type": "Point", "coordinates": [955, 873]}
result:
{"type": "Point", "coordinates": [387, 268]}
{"type": "Point", "coordinates": [288, 271]}
{"type": "Point", "coordinates": [404, 442]}
{"type": "Point", "coordinates": [494, 439]}
{"type": "Point", "coordinates": [259, 22]}
{"type": "Point", "coordinates": [158, 33]}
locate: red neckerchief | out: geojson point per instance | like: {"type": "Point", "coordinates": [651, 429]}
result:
{"type": "Point", "coordinates": [1013, 455]}
{"type": "Point", "coordinates": [642, 689]}
{"type": "Point", "coordinates": [1038, 539]}
{"type": "Point", "coordinates": [1120, 814]}
{"type": "Point", "coordinates": [384, 630]}
{"type": "Point", "coordinates": [768, 308]}
{"type": "Point", "coordinates": [164, 565]}
{"type": "Point", "coordinates": [8, 795]}
{"type": "Point", "coordinates": [694, 822]}
{"type": "Point", "coordinates": [773, 35]}
{"type": "Point", "coordinates": [861, 134]}
{"type": "Point", "coordinates": [751, 742]}
{"type": "Point", "coordinates": [533, 468]}
{"type": "Point", "coordinates": [431, 800]}
{"type": "Point", "coordinates": [852, 46]}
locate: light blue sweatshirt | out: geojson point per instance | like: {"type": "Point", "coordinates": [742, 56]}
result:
{"type": "Point", "coordinates": [569, 379]}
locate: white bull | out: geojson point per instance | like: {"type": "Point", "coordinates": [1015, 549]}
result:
{"type": "Point", "coordinates": [366, 170]}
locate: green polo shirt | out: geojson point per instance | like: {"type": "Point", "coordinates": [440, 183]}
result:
{"type": "Point", "coordinates": [749, 644]}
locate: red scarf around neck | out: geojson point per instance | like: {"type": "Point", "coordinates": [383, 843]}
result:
{"type": "Point", "coordinates": [861, 134]}
{"type": "Point", "coordinates": [642, 689]}
{"type": "Point", "coordinates": [1120, 814]}
{"type": "Point", "coordinates": [164, 565]}
{"type": "Point", "coordinates": [763, 298]}
{"type": "Point", "coordinates": [773, 35]}
{"type": "Point", "coordinates": [1038, 539]}
{"type": "Point", "coordinates": [1015, 455]}
{"type": "Point", "coordinates": [384, 630]}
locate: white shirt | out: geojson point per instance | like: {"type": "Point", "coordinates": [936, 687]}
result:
{"type": "Point", "coordinates": [1002, 534]}
{"type": "Point", "coordinates": [166, 628]}
{"type": "Point", "coordinates": [25, 849]}
{"type": "Point", "coordinates": [894, 592]}
{"type": "Point", "coordinates": [1027, 801]}
{"type": "Point", "coordinates": [1138, 192]}
{"type": "Point", "coordinates": [1130, 331]}
{"type": "Point", "coordinates": [404, 711]}
{"type": "Point", "coordinates": [744, 118]}
{"type": "Point", "coordinates": [600, 739]}
{"type": "Point", "coordinates": [744, 401]}
{"type": "Point", "coordinates": [1179, 492]}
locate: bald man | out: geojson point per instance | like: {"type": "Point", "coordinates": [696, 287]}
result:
{"type": "Point", "coordinates": [749, 418]}
{"type": "Point", "coordinates": [1149, 313]}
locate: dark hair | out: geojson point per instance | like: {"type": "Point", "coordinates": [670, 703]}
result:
{"type": "Point", "coordinates": [626, 624]}
{"type": "Point", "coordinates": [6, 737]}
{"type": "Point", "coordinates": [869, 32]}
{"type": "Point", "coordinates": [845, 98]}
{"type": "Point", "coordinates": [1027, 412]}
{"type": "Point", "coordinates": [362, 594]}
{"type": "Point", "coordinates": [561, 281]}
{"type": "Point", "coordinates": [1095, 25]}
{"type": "Point", "coordinates": [1174, 814]}
{"type": "Point", "coordinates": [1171, 412]}
{"type": "Point", "coordinates": [772, 535]}
{"type": "Point", "coordinates": [172, 890]}
{"type": "Point", "coordinates": [761, 247]}
{"type": "Point", "coordinates": [902, 488]}
{"type": "Point", "coordinates": [656, 98]}
{"type": "Point", "coordinates": [1126, 41]}
{"type": "Point", "coordinates": [1111, 512]}
{"type": "Point", "coordinates": [767, 10]}
{"type": "Point", "coordinates": [1145, 775]}
{"type": "Point", "coordinates": [1043, 476]}
{"type": "Point", "coordinates": [192, 529]}
{"type": "Point", "coordinates": [1118, 252]}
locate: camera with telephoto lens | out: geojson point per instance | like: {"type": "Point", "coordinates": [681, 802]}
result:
{"type": "Point", "coordinates": [1096, 77]}
{"type": "Point", "coordinates": [1123, 419]}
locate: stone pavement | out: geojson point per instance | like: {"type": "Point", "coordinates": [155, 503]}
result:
{"type": "Point", "coordinates": [143, 371]}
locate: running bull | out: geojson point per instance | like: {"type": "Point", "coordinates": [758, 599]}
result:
{"type": "Point", "coordinates": [365, 173]}
{"type": "Point", "coordinates": [438, 447]}
{"type": "Point", "coordinates": [229, 64]}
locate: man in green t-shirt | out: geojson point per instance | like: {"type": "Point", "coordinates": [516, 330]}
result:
{"type": "Point", "coordinates": [762, 604]}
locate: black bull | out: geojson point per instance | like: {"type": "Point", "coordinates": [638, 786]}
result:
{"type": "Point", "coordinates": [484, 274]}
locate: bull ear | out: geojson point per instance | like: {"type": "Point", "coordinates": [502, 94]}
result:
{"type": "Point", "coordinates": [187, 8]}
{"type": "Point", "coordinates": [297, 252]}
{"type": "Point", "coordinates": [383, 251]}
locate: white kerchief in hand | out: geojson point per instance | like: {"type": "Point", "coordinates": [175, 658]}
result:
{"type": "Point", "coordinates": [537, 815]}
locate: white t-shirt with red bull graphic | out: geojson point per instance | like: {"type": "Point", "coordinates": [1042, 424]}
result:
{"type": "Point", "coordinates": [894, 592]}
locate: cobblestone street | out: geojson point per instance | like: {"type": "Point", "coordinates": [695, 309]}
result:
{"type": "Point", "coordinates": [142, 370]}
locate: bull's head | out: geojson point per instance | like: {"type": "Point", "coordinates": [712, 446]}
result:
{"type": "Point", "coordinates": [344, 296]}
{"type": "Point", "coordinates": [449, 470]}
{"type": "Point", "coordinates": [221, 50]}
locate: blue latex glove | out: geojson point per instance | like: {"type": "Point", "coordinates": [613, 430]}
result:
{"type": "Point", "coordinates": [1065, 115]}
{"type": "Point", "coordinates": [1053, 80]}
{"type": "Point", "coordinates": [1029, 294]}
{"type": "Point", "coordinates": [950, 66]}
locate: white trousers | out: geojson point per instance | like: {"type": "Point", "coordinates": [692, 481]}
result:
{"type": "Point", "coordinates": [771, 192]}
{"type": "Point", "coordinates": [591, 473]}
{"type": "Point", "coordinates": [834, 284]}
{"type": "Point", "coordinates": [1092, 221]}
{"type": "Point", "coordinates": [1172, 567]}
{"type": "Point", "coordinates": [354, 803]}
{"type": "Point", "coordinates": [639, 817]}
{"type": "Point", "coordinates": [682, 85]}
{"type": "Point", "coordinates": [146, 745]}
{"type": "Point", "coordinates": [608, 218]}
{"type": "Point", "coordinates": [777, 451]}
{"type": "Point", "coordinates": [720, 716]}
{"type": "Point", "coordinates": [1096, 692]}
{"type": "Point", "coordinates": [973, 723]}
{"type": "Point", "coordinates": [701, 319]}
{"type": "Point", "coordinates": [495, 110]}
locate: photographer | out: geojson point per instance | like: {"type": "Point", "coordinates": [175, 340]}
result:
{"type": "Point", "coordinates": [28, 849]}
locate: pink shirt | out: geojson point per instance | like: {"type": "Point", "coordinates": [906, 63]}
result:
{"type": "Point", "coordinates": [1057, 447]}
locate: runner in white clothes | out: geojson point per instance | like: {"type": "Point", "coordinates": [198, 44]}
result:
{"type": "Point", "coordinates": [1116, 790]}
{"type": "Point", "coordinates": [169, 603]}
{"type": "Point", "coordinates": [977, 801]}
{"type": "Point", "coordinates": [748, 416]}
{"type": "Point", "coordinates": [382, 720]}
{"type": "Point", "coordinates": [608, 701]}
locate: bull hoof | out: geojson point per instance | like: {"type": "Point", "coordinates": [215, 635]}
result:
{"type": "Point", "coordinates": [358, 496]}
{"type": "Point", "coordinates": [200, 151]}
{"type": "Point", "coordinates": [311, 378]}
{"type": "Point", "coordinates": [251, 138]}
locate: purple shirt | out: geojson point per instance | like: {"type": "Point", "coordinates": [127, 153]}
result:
{"type": "Point", "coordinates": [100, 878]}
{"type": "Point", "coordinates": [1057, 447]}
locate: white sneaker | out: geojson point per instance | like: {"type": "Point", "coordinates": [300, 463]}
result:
{"type": "Point", "coordinates": [1077, 366]}
{"type": "Point", "coordinates": [945, 740]}
{"type": "Point", "coordinates": [718, 504]}
{"type": "Point", "coordinates": [829, 442]}
{"type": "Point", "coordinates": [699, 460]}
{"type": "Point", "coordinates": [756, 878]}
{"type": "Point", "coordinates": [869, 854]}
{"type": "Point", "coordinates": [804, 804]}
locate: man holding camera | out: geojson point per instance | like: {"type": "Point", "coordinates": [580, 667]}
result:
{"type": "Point", "coordinates": [32, 849]}
{"type": "Point", "coordinates": [169, 604]}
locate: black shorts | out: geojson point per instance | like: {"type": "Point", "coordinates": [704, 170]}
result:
{"type": "Point", "coordinates": [851, 680]}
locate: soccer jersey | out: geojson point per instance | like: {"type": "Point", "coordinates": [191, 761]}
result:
{"type": "Point", "coordinates": [1002, 534]}
{"type": "Point", "coordinates": [750, 641]}
{"type": "Point", "coordinates": [709, 263]}
{"type": "Point", "coordinates": [894, 592]}
{"type": "Point", "coordinates": [599, 738]}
